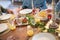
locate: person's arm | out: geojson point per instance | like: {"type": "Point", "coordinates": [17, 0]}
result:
{"type": "Point", "coordinates": [6, 10]}
{"type": "Point", "coordinates": [3, 9]}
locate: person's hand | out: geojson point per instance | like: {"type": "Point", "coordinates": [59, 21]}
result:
{"type": "Point", "coordinates": [49, 10]}
{"type": "Point", "coordinates": [18, 9]}
{"type": "Point", "coordinates": [9, 11]}
{"type": "Point", "coordinates": [37, 10]}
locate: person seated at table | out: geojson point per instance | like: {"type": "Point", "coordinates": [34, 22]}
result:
{"type": "Point", "coordinates": [40, 4]}
{"type": "Point", "coordinates": [3, 10]}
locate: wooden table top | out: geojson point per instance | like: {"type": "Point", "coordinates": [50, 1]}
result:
{"type": "Point", "coordinates": [19, 34]}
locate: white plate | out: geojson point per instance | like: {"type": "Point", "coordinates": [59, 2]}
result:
{"type": "Point", "coordinates": [3, 27]}
{"type": "Point", "coordinates": [43, 36]}
{"type": "Point", "coordinates": [5, 16]}
{"type": "Point", "coordinates": [25, 11]}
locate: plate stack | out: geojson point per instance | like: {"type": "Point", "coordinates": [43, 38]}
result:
{"type": "Point", "coordinates": [5, 18]}
{"type": "Point", "coordinates": [4, 28]}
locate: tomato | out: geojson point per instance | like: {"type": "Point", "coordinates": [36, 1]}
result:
{"type": "Point", "coordinates": [24, 20]}
{"type": "Point", "coordinates": [49, 16]}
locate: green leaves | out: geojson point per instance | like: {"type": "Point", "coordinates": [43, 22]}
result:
{"type": "Point", "coordinates": [40, 24]}
{"type": "Point", "coordinates": [51, 30]}
{"type": "Point", "coordinates": [31, 20]}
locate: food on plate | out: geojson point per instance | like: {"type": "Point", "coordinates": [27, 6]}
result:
{"type": "Point", "coordinates": [24, 20]}
{"type": "Point", "coordinates": [42, 14]}
{"type": "Point", "coordinates": [37, 19]}
{"type": "Point", "coordinates": [51, 30]}
{"type": "Point", "coordinates": [31, 20]}
{"type": "Point", "coordinates": [49, 16]}
{"type": "Point", "coordinates": [30, 32]}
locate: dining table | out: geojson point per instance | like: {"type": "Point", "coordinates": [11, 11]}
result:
{"type": "Point", "coordinates": [20, 33]}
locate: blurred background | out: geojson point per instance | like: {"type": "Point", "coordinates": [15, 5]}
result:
{"type": "Point", "coordinates": [16, 3]}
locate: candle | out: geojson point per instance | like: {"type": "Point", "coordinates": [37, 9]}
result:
{"type": "Point", "coordinates": [59, 34]}
{"type": "Point", "coordinates": [32, 4]}
{"type": "Point", "coordinates": [53, 5]}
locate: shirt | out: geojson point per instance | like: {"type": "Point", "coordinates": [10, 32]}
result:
{"type": "Point", "coordinates": [37, 4]}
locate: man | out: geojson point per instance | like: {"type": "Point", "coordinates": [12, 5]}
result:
{"type": "Point", "coordinates": [41, 4]}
